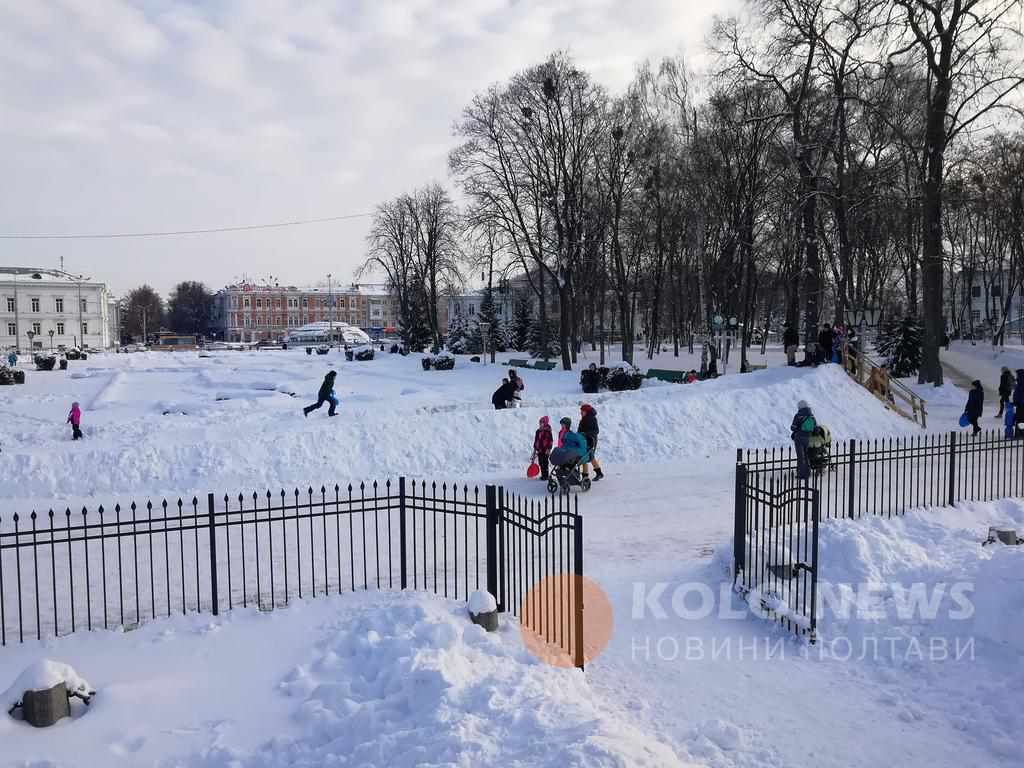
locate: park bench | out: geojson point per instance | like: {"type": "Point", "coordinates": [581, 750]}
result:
{"type": "Point", "coordinates": [675, 377]}
{"type": "Point", "coordinates": [753, 367]}
{"type": "Point", "coordinates": [544, 365]}
{"type": "Point", "coordinates": [518, 363]}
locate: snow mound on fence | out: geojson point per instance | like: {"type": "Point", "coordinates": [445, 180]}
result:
{"type": "Point", "coordinates": [939, 614]}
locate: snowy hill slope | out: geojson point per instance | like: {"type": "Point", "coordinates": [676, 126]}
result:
{"type": "Point", "coordinates": [185, 425]}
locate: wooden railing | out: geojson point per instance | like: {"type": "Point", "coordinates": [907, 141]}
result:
{"type": "Point", "coordinates": [895, 395]}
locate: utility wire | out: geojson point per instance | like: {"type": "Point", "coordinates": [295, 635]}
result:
{"type": "Point", "coordinates": [117, 235]}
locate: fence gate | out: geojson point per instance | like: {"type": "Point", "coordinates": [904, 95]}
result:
{"type": "Point", "coordinates": [538, 570]}
{"type": "Point", "coordinates": [775, 548]}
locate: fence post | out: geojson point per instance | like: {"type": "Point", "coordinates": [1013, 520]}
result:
{"type": "Point", "coordinates": [851, 490]}
{"type": "Point", "coordinates": [404, 578]}
{"type": "Point", "coordinates": [816, 513]}
{"type": "Point", "coordinates": [577, 529]}
{"type": "Point", "coordinates": [739, 531]}
{"type": "Point", "coordinates": [952, 468]}
{"type": "Point", "coordinates": [210, 504]}
{"type": "Point", "coordinates": [500, 560]}
{"type": "Point", "coordinates": [492, 540]}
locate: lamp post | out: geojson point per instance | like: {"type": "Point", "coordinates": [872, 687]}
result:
{"type": "Point", "coordinates": [51, 341]}
{"type": "Point", "coordinates": [31, 335]}
{"type": "Point", "coordinates": [330, 303]}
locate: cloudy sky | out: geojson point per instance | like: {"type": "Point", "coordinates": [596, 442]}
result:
{"type": "Point", "coordinates": [153, 115]}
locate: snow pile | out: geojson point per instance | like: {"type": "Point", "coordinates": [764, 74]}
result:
{"type": "Point", "coordinates": [42, 676]}
{"type": "Point", "coordinates": [937, 616]}
{"type": "Point", "coordinates": [395, 419]}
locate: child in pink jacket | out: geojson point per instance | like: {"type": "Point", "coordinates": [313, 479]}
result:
{"type": "Point", "coordinates": [75, 420]}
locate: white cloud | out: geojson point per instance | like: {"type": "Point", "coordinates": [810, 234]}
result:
{"type": "Point", "coordinates": [118, 115]}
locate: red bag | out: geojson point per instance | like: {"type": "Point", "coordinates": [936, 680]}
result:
{"type": "Point", "coordinates": [533, 470]}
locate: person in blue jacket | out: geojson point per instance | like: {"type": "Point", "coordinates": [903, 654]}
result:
{"type": "Point", "coordinates": [800, 431]}
{"type": "Point", "coordinates": [572, 441]}
{"type": "Point", "coordinates": [975, 406]}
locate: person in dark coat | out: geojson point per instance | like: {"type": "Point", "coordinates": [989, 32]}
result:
{"type": "Point", "coordinates": [325, 395]}
{"type": "Point", "coordinates": [589, 429]}
{"type": "Point", "coordinates": [975, 405]}
{"type": "Point", "coordinates": [826, 338]}
{"type": "Point", "coordinates": [503, 395]}
{"type": "Point", "coordinates": [790, 343]}
{"type": "Point", "coordinates": [1018, 403]}
{"type": "Point", "coordinates": [1005, 390]}
{"type": "Point", "coordinates": [800, 431]}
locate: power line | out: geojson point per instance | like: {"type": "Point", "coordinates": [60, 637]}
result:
{"type": "Point", "coordinates": [174, 233]}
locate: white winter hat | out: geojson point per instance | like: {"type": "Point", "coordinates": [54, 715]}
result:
{"type": "Point", "coordinates": [802, 404]}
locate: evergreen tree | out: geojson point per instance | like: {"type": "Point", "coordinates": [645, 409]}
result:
{"type": "Point", "coordinates": [457, 341]}
{"type": "Point", "coordinates": [535, 345]}
{"type": "Point", "coordinates": [899, 341]}
{"type": "Point", "coordinates": [416, 333]}
{"type": "Point", "coordinates": [522, 321]}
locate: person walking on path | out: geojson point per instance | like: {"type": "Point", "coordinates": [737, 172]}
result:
{"type": "Point", "coordinates": [800, 431]}
{"type": "Point", "coordinates": [790, 343]}
{"type": "Point", "coordinates": [975, 406]}
{"type": "Point", "coordinates": [75, 420]}
{"type": "Point", "coordinates": [542, 444]}
{"type": "Point", "coordinates": [325, 395]}
{"type": "Point", "coordinates": [1005, 390]}
{"type": "Point", "coordinates": [503, 395]}
{"type": "Point", "coordinates": [589, 429]}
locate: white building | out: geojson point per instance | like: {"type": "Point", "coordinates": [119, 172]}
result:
{"type": "Point", "coordinates": [40, 310]}
{"type": "Point", "coordinates": [981, 304]}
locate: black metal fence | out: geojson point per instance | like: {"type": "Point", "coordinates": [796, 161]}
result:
{"type": "Point", "coordinates": [63, 571]}
{"type": "Point", "coordinates": [776, 517]}
{"type": "Point", "coordinates": [775, 549]}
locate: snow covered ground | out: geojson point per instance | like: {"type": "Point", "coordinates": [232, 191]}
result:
{"type": "Point", "coordinates": [386, 679]}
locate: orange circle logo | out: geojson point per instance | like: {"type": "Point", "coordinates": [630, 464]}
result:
{"type": "Point", "coordinates": [560, 629]}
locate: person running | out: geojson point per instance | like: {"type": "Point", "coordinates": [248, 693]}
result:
{"type": "Point", "coordinates": [975, 406]}
{"type": "Point", "coordinates": [542, 444]}
{"type": "Point", "coordinates": [325, 395]}
{"type": "Point", "coordinates": [589, 429]}
{"type": "Point", "coordinates": [800, 431]}
{"type": "Point", "coordinates": [791, 343]}
{"type": "Point", "coordinates": [1005, 390]}
{"type": "Point", "coordinates": [503, 395]}
{"type": "Point", "coordinates": [75, 420]}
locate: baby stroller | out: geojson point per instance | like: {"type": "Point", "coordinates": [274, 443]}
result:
{"type": "Point", "coordinates": [565, 471]}
{"type": "Point", "coordinates": [819, 448]}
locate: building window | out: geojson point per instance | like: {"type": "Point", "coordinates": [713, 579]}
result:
{"type": "Point", "coordinates": [975, 291]}
{"type": "Point", "coordinates": [85, 328]}
{"type": "Point", "coordinates": [10, 305]}
{"type": "Point", "coordinates": [976, 315]}
{"type": "Point", "coordinates": [60, 329]}
{"type": "Point", "coordinates": [12, 329]}
{"type": "Point", "coordinates": [246, 302]}
{"type": "Point", "coordinates": [305, 301]}
{"type": "Point", "coordinates": [995, 291]}
{"type": "Point", "coordinates": [58, 304]}
{"type": "Point", "coordinates": [259, 303]}
{"type": "Point", "coordinates": [248, 321]}
{"type": "Point", "coordinates": [35, 305]}
{"type": "Point", "coordinates": [83, 305]}
{"type": "Point", "coordinates": [37, 328]}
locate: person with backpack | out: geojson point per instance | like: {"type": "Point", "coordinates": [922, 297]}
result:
{"type": "Point", "coordinates": [1005, 390]}
{"type": "Point", "coordinates": [325, 395]}
{"type": "Point", "coordinates": [589, 429]}
{"type": "Point", "coordinates": [790, 343]}
{"type": "Point", "coordinates": [975, 406]}
{"type": "Point", "coordinates": [800, 431]}
{"type": "Point", "coordinates": [75, 420]}
{"type": "Point", "coordinates": [542, 444]}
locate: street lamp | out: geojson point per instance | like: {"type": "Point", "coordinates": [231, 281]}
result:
{"type": "Point", "coordinates": [330, 303]}
{"type": "Point", "coordinates": [31, 335]}
{"type": "Point", "coordinates": [51, 341]}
